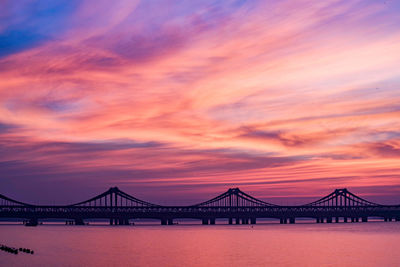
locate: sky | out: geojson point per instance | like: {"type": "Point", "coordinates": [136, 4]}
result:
{"type": "Point", "coordinates": [175, 102]}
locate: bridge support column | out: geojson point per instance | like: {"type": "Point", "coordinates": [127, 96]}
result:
{"type": "Point", "coordinates": [212, 221]}
{"type": "Point", "coordinates": [329, 220]}
{"type": "Point", "coordinates": [397, 219]}
{"type": "Point", "coordinates": [170, 221]}
{"type": "Point", "coordinates": [317, 220]}
{"type": "Point", "coordinates": [79, 221]}
{"type": "Point", "coordinates": [292, 220]}
{"type": "Point", "coordinates": [345, 219]}
{"type": "Point", "coordinates": [281, 221]}
{"type": "Point", "coordinates": [32, 222]}
{"type": "Point", "coordinates": [336, 219]}
{"type": "Point", "coordinates": [204, 221]}
{"type": "Point", "coordinates": [353, 219]}
{"type": "Point", "coordinates": [230, 221]}
{"type": "Point", "coordinates": [364, 219]}
{"type": "Point", "coordinates": [253, 220]}
{"type": "Point", "coordinates": [245, 220]}
{"type": "Point", "coordinates": [163, 221]}
{"type": "Point", "coordinates": [237, 220]}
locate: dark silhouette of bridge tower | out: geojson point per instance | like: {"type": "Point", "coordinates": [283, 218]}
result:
{"type": "Point", "coordinates": [343, 200]}
{"type": "Point", "coordinates": [235, 200]}
{"type": "Point", "coordinates": [234, 205]}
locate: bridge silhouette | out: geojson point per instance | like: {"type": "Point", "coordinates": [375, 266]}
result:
{"type": "Point", "coordinates": [234, 205]}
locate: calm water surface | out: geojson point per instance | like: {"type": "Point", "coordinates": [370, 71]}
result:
{"type": "Point", "coordinates": [357, 244]}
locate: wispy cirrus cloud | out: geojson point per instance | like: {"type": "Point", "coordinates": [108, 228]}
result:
{"type": "Point", "coordinates": [273, 96]}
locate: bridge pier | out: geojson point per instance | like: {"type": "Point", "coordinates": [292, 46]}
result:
{"type": "Point", "coordinates": [163, 221]}
{"type": "Point", "coordinates": [32, 222]}
{"type": "Point", "coordinates": [336, 219]}
{"type": "Point", "coordinates": [345, 219]}
{"type": "Point", "coordinates": [230, 221]}
{"type": "Point", "coordinates": [292, 220]}
{"type": "Point", "coordinates": [329, 220]}
{"type": "Point", "coordinates": [123, 221]}
{"type": "Point", "coordinates": [212, 221]}
{"type": "Point", "coordinates": [397, 219]}
{"type": "Point", "coordinates": [284, 221]}
{"type": "Point", "coordinates": [170, 221]}
{"type": "Point", "coordinates": [79, 221]}
{"type": "Point", "coordinates": [237, 220]}
{"type": "Point", "coordinates": [364, 219]}
{"type": "Point", "coordinates": [204, 221]}
{"type": "Point", "coordinates": [245, 220]}
{"type": "Point", "coordinates": [253, 220]}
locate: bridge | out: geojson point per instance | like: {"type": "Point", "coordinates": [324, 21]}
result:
{"type": "Point", "coordinates": [234, 205]}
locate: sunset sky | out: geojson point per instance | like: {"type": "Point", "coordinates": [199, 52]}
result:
{"type": "Point", "coordinates": [175, 102]}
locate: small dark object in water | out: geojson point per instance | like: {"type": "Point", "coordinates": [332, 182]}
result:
{"type": "Point", "coordinates": [15, 250]}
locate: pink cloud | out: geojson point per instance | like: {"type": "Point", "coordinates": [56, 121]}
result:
{"type": "Point", "coordinates": [285, 99]}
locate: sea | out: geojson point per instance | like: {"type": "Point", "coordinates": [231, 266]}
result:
{"type": "Point", "coordinates": [305, 243]}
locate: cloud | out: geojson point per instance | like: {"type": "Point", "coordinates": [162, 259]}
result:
{"type": "Point", "coordinates": [390, 149]}
{"type": "Point", "coordinates": [273, 96]}
{"type": "Point", "coordinates": [5, 127]}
